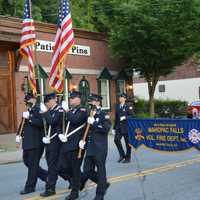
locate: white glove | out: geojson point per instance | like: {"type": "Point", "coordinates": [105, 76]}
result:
{"type": "Point", "coordinates": [122, 118]}
{"type": "Point", "coordinates": [43, 108]}
{"type": "Point", "coordinates": [65, 105]}
{"type": "Point", "coordinates": [62, 138]}
{"type": "Point", "coordinates": [26, 115]}
{"type": "Point", "coordinates": [90, 120]}
{"type": "Point", "coordinates": [113, 131]}
{"type": "Point", "coordinates": [82, 144]}
{"type": "Point", "coordinates": [46, 140]}
{"type": "Point", "coordinates": [18, 139]}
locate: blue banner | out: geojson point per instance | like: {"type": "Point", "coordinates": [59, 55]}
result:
{"type": "Point", "coordinates": [164, 134]}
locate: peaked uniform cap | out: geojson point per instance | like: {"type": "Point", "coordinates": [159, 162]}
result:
{"type": "Point", "coordinates": [94, 97]}
{"type": "Point", "coordinates": [123, 95]}
{"type": "Point", "coordinates": [29, 96]}
{"type": "Point", "coordinates": [75, 94]}
{"type": "Point", "coordinates": [49, 96]}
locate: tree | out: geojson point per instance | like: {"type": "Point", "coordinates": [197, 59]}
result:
{"type": "Point", "coordinates": [154, 37]}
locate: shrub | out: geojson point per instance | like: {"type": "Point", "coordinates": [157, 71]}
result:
{"type": "Point", "coordinates": [163, 108]}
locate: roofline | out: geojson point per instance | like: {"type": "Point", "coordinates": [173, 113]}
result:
{"type": "Point", "coordinates": [14, 22]}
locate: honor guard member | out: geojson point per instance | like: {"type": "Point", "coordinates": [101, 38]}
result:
{"type": "Point", "coordinates": [76, 119]}
{"type": "Point", "coordinates": [52, 113]}
{"type": "Point", "coordinates": [96, 148]}
{"type": "Point", "coordinates": [122, 112]}
{"type": "Point", "coordinates": [31, 133]}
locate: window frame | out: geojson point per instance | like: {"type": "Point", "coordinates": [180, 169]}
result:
{"type": "Point", "coordinates": [108, 96]}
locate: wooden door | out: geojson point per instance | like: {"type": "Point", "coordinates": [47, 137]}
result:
{"type": "Point", "coordinates": [7, 95]}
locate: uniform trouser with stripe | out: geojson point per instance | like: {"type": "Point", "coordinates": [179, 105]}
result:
{"type": "Point", "coordinates": [118, 143]}
{"type": "Point", "coordinates": [31, 159]}
{"type": "Point", "coordinates": [72, 165]}
{"type": "Point", "coordinates": [98, 176]}
{"type": "Point", "coordinates": [52, 157]}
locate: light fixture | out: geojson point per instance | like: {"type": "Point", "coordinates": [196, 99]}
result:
{"type": "Point", "coordinates": [74, 87]}
{"type": "Point", "coordinates": [129, 87]}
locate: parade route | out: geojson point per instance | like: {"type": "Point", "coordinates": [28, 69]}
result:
{"type": "Point", "coordinates": [131, 176]}
{"type": "Point", "coordinates": [152, 175]}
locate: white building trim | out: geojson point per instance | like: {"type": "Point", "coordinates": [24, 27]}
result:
{"type": "Point", "coordinates": [85, 71]}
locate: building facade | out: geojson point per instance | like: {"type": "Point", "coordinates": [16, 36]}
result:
{"type": "Point", "coordinates": [89, 68]}
{"type": "Point", "coordinates": [182, 84]}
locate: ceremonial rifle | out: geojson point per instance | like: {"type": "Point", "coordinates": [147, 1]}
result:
{"type": "Point", "coordinates": [22, 123]}
{"type": "Point", "coordinates": [92, 113]}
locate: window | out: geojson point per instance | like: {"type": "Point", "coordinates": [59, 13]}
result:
{"type": "Point", "coordinates": [105, 93]}
{"type": "Point", "coordinates": [84, 88]}
{"type": "Point", "coordinates": [121, 86]}
{"type": "Point", "coordinates": [104, 88]}
{"type": "Point", "coordinates": [161, 88]}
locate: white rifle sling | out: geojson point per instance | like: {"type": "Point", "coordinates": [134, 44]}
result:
{"type": "Point", "coordinates": [75, 130]}
{"type": "Point", "coordinates": [49, 131]}
{"type": "Point", "coordinates": [67, 129]}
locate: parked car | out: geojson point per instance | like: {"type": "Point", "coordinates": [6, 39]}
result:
{"type": "Point", "coordinates": [193, 110]}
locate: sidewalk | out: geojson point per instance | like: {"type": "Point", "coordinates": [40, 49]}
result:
{"type": "Point", "coordinates": [8, 151]}
{"type": "Point", "coordinates": [10, 157]}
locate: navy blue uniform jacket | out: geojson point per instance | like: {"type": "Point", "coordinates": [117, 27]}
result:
{"type": "Point", "coordinates": [97, 144]}
{"type": "Point", "coordinates": [121, 126]}
{"type": "Point", "coordinates": [77, 117]}
{"type": "Point", "coordinates": [33, 130]}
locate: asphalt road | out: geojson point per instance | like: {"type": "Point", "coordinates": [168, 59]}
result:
{"type": "Point", "coordinates": [150, 176]}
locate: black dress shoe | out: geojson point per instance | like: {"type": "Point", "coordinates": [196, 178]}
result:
{"type": "Point", "coordinates": [82, 185]}
{"type": "Point", "coordinates": [72, 197]}
{"type": "Point", "coordinates": [107, 186]}
{"type": "Point", "coordinates": [48, 193]}
{"type": "Point", "coordinates": [70, 184]}
{"type": "Point", "coordinates": [27, 191]}
{"type": "Point", "coordinates": [127, 160]}
{"type": "Point", "coordinates": [120, 159]}
{"type": "Point", "coordinates": [99, 197]}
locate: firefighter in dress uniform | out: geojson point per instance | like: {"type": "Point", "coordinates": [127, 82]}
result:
{"type": "Point", "coordinates": [122, 112]}
{"type": "Point", "coordinates": [52, 113]}
{"type": "Point", "coordinates": [96, 148]}
{"type": "Point", "coordinates": [76, 118]}
{"type": "Point", "coordinates": [31, 133]}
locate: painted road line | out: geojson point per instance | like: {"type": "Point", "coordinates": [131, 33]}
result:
{"type": "Point", "coordinates": [117, 179]}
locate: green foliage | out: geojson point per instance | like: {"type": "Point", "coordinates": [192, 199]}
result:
{"type": "Point", "coordinates": [155, 36]}
{"type": "Point", "coordinates": [163, 108]}
{"type": "Point", "coordinates": [86, 14]}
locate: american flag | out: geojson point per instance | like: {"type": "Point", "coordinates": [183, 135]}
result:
{"type": "Point", "coordinates": [28, 38]}
{"type": "Point", "coordinates": [64, 40]}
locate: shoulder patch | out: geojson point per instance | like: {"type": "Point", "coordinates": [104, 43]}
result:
{"type": "Point", "coordinates": [107, 117]}
{"type": "Point", "coordinates": [83, 109]}
{"type": "Point", "coordinates": [60, 110]}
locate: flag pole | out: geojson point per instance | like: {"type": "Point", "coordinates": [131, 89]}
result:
{"type": "Point", "coordinates": [39, 82]}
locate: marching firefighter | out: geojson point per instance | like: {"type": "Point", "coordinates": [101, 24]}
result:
{"type": "Point", "coordinates": [96, 148]}
{"type": "Point", "coordinates": [76, 119]}
{"type": "Point", "coordinates": [31, 133]}
{"type": "Point", "coordinates": [52, 114]}
{"type": "Point", "coordinates": [123, 111]}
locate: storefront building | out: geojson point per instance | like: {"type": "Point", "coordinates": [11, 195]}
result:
{"type": "Point", "coordinates": [89, 68]}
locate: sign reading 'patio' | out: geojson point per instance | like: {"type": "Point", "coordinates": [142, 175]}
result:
{"type": "Point", "coordinates": [47, 46]}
